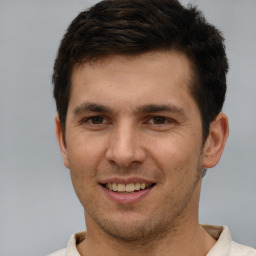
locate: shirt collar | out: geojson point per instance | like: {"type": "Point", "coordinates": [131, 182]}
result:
{"type": "Point", "coordinates": [221, 247]}
{"type": "Point", "coordinates": [73, 241]}
{"type": "Point", "coordinates": [223, 237]}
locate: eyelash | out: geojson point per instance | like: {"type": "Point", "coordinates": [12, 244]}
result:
{"type": "Point", "coordinates": [151, 120]}
{"type": "Point", "coordinates": [90, 120]}
{"type": "Point", "coordinates": [161, 118]}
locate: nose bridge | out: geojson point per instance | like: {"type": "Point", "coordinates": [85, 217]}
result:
{"type": "Point", "coordinates": [124, 147]}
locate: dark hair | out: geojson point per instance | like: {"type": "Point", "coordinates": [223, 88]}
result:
{"type": "Point", "coordinates": [138, 26]}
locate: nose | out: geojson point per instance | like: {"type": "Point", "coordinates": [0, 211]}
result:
{"type": "Point", "coordinates": [125, 147]}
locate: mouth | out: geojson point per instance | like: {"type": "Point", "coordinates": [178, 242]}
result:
{"type": "Point", "coordinates": [127, 188]}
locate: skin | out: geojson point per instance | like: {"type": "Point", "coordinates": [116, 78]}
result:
{"type": "Point", "coordinates": [134, 118]}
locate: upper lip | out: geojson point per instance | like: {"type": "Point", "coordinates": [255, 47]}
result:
{"type": "Point", "coordinates": [121, 180]}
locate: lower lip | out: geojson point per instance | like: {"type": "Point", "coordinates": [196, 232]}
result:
{"type": "Point", "coordinates": [127, 198]}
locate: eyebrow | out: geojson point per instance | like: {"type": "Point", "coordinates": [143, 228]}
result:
{"type": "Point", "coordinates": [91, 107]}
{"type": "Point", "coordinates": [153, 108]}
{"type": "Point", "coordinates": [150, 108]}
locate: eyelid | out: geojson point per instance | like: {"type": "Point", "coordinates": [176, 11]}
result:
{"type": "Point", "coordinates": [147, 121]}
{"type": "Point", "coordinates": [86, 120]}
{"type": "Point", "coordinates": [168, 120]}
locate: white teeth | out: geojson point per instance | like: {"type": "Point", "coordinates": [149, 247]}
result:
{"type": "Point", "coordinates": [121, 187]}
{"type": "Point", "coordinates": [131, 187]}
{"type": "Point", "coordinates": [137, 186]}
{"type": "Point", "coordinates": [114, 187]}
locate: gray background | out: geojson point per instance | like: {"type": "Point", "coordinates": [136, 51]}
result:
{"type": "Point", "coordinates": [39, 209]}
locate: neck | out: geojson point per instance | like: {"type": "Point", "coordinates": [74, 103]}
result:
{"type": "Point", "coordinates": [186, 240]}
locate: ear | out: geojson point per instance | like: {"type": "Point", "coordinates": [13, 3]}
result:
{"type": "Point", "coordinates": [216, 141]}
{"type": "Point", "coordinates": [61, 141]}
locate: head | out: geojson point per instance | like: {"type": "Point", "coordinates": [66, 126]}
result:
{"type": "Point", "coordinates": [134, 27]}
{"type": "Point", "coordinates": [139, 86]}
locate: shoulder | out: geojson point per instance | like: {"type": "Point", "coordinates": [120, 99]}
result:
{"type": "Point", "coordinates": [241, 250]}
{"type": "Point", "coordinates": [225, 245]}
{"type": "Point", "coordinates": [61, 252]}
{"type": "Point", "coordinates": [71, 249]}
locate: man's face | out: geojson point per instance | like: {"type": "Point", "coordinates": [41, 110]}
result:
{"type": "Point", "coordinates": [132, 120]}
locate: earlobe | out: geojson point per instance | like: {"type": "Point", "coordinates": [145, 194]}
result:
{"type": "Point", "coordinates": [61, 141]}
{"type": "Point", "coordinates": [216, 141]}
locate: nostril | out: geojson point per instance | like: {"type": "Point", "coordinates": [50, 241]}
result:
{"type": "Point", "coordinates": [125, 159]}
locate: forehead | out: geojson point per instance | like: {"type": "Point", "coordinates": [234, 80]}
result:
{"type": "Point", "coordinates": [170, 60]}
{"type": "Point", "coordinates": [146, 79]}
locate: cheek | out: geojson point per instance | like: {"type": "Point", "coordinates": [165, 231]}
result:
{"type": "Point", "coordinates": [177, 157]}
{"type": "Point", "coordinates": [84, 158]}
{"type": "Point", "coordinates": [84, 153]}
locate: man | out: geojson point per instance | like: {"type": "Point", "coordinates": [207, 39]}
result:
{"type": "Point", "coordinates": [139, 88]}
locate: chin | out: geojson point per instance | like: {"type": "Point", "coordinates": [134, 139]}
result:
{"type": "Point", "coordinates": [128, 232]}
{"type": "Point", "coordinates": [132, 229]}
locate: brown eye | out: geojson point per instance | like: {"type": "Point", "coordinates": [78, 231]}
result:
{"type": "Point", "coordinates": [96, 120]}
{"type": "Point", "coordinates": [159, 120]}
{"type": "Point", "coordinates": [95, 123]}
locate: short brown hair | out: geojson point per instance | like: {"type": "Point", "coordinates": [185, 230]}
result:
{"type": "Point", "coordinates": [139, 26]}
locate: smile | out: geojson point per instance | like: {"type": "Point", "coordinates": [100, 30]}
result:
{"type": "Point", "coordinates": [127, 188]}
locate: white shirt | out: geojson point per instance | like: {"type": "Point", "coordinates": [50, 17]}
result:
{"type": "Point", "coordinates": [223, 247]}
